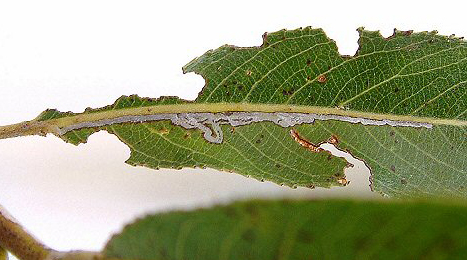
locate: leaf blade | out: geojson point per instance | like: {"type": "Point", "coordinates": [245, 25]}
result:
{"type": "Point", "coordinates": [378, 61]}
{"type": "Point", "coordinates": [297, 230]}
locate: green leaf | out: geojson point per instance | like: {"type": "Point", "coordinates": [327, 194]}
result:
{"type": "Point", "coordinates": [399, 104]}
{"type": "Point", "coordinates": [299, 230]}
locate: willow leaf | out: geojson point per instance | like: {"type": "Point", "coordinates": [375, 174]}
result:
{"type": "Point", "coordinates": [298, 230]}
{"type": "Point", "coordinates": [399, 104]}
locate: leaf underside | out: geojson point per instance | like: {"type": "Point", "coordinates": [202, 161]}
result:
{"type": "Point", "coordinates": [298, 230]}
{"type": "Point", "coordinates": [421, 75]}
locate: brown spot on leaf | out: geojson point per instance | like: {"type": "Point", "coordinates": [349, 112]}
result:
{"type": "Point", "coordinates": [163, 131]}
{"type": "Point", "coordinates": [333, 139]}
{"type": "Point", "coordinates": [305, 236]}
{"type": "Point", "coordinates": [265, 37]}
{"type": "Point", "coordinates": [322, 78]}
{"type": "Point", "coordinates": [393, 168]}
{"type": "Point", "coordinates": [248, 72]}
{"type": "Point", "coordinates": [163, 252]}
{"type": "Point", "coordinates": [252, 210]}
{"type": "Point", "coordinates": [407, 33]}
{"type": "Point", "coordinates": [260, 139]}
{"type": "Point", "coordinates": [287, 92]}
{"type": "Point", "coordinates": [249, 235]}
{"type": "Point", "coordinates": [343, 181]}
{"type": "Point", "coordinates": [403, 181]}
{"type": "Point", "coordinates": [230, 212]}
{"type": "Point", "coordinates": [308, 62]}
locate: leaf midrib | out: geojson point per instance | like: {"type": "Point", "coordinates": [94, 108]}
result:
{"type": "Point", "coordinates": [42, 127]}
{"type": "Point", "coordinates": [243, 107]}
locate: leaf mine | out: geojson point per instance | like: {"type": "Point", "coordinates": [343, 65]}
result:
{"type": "Point", "coordinates": [213, 132]}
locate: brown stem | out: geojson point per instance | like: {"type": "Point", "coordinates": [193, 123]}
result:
{"type": "Point", "coordinates": [26, 128]}
{"type": "Point", "coordinates": [3, 254]}
{"type": "Point", "coordinates": [16, 240]}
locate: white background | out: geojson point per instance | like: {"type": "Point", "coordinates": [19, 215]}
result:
{"type": "Point", "coordinates": [73, 54]}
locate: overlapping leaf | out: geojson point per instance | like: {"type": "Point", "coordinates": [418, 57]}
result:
{"type": "Point", "coordinates": [298, 230]}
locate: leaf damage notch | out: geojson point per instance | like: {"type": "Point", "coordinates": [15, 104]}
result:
{"type": "Point", "coordinates": [316, 149]}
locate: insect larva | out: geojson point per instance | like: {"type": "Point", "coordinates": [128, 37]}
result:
{"type": "Point", "coordinates": [310, 146]}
